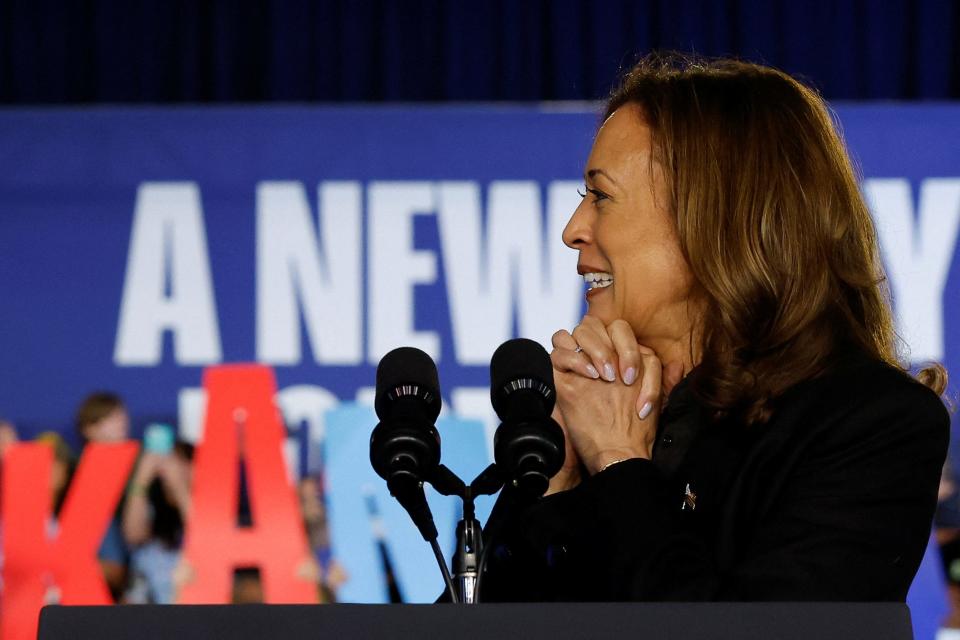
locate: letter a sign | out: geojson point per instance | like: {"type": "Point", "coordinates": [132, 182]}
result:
{"type": "Point", "coordinates": [243, 426]}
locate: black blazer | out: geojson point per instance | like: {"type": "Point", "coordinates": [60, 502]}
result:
{"type": "Point", "coordinates": [832, 499]}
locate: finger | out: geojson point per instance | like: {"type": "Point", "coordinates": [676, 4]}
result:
{"type": "Point", "coordinates": [596, 325]}
{"type": "Point", "coordinates": [627, 350]}
{"type": "Point", "coordinates": [563, 340]}
{"type": "Point", "coordinates": [672, 375]}
{"type": "Point", "coordinates": [650, 384]}
{"type": "Point", "coordinates": [565, 360]}
{"type": "Point", "coordinates": [593, 339]}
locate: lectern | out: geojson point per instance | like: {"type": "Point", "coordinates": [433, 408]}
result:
{"type": "Point", "coordinates": [669, 621]}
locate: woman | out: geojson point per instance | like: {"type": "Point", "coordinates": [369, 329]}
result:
{"type": "Point", "coordinates": [154, 516]}
{"type": "Point", "coordinates": [738, 424]}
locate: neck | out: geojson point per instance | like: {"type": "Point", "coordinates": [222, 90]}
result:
{"type": "Point", "coordinates": [677, 350]}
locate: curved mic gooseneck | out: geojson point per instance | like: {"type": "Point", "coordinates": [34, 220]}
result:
{"type": "Point", "coordinates": [405, 445]}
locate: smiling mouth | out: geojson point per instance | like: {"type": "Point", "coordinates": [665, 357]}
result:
{"type": "Point", "coordinates": [597, 280]}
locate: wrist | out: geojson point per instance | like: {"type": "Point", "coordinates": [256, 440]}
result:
{"type": "Point", "coordinates": [605, 459]}
{"type": "Point", "coordinates": [566, 479]}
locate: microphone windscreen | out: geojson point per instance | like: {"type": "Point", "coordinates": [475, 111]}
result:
{"type": "Point", "coordinates": [406, 366]}
{"type": "Point", "coordinates": [518, 359]}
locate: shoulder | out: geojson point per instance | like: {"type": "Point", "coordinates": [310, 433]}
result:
{"type": "Point", "coordinates": [860, 394]}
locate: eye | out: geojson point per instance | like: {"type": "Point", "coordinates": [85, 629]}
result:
{"type": "Point", "coordinates": [596, 193]}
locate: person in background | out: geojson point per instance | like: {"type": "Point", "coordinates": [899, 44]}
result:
{"type": "Point", "coordinates": [155, 512]}
{"type": "Point", "coordinates": [102, 418]}
{"type": "Point", "coordinates": [64, 464]}
{"type": "Point", "coordinates": [946, 525]}
{"type": "Point", "coordinates": [61, 472]}
{"type": "Point", "coordinates": [312, 504]}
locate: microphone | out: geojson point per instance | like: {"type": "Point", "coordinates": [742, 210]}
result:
{"type": "Point", "coordinates": [405, 445]}
{"type": "Point", "coordinates": [528, 445]}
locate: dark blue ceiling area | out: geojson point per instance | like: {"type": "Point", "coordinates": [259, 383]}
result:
{"type": "Point", "coordinates": [189, 51]}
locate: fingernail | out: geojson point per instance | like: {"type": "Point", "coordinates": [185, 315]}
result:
{"type": "Point", "coordinates": [608, 372]}
{"type": "Point", "coordinates": [645, 410]}
{"type": "Point", "coordinates": [592, 371]}
{"type": "Point", "coordinates": [630, 375]}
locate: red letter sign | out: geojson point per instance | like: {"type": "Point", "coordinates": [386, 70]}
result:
{"type": "Point", "coordinates": [33, 561]}
{"type": "Point", "coordinates": [242, 417]}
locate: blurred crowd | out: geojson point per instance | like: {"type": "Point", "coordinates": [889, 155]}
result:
{"type": "Point", "coordinates": [140, 555]}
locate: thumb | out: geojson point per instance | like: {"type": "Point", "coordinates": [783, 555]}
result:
{"type": "Point", "coordinates": [672, 375]}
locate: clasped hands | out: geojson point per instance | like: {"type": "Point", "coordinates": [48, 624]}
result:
{"type": "Point", "coordinates": [610, 390]}
{"type": "Point", "coordinates": [172, 472]}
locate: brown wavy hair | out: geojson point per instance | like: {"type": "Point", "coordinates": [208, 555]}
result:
{"type": "Point", "coordinates": [772, 223]}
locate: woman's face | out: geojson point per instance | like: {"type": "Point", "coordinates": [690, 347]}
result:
{"type": "Point", "coordinates": [630, 254]}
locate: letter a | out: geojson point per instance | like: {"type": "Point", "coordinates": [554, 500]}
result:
{"type": "Point", "coordinates": [242, 417]}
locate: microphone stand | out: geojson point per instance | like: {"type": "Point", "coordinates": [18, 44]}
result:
{"type": "Point", "coordinates": [466, 559]}
{"type": "Point", "coordinates": [411, 497]}
{"type": "Point", "coordinates": [466, 562]}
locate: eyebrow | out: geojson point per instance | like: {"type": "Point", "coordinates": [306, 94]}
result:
{"type": "Point", "coordinates": [601, 172]}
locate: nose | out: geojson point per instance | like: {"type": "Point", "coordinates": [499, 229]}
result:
{"type": "Point", "coordinates": [579, 229]}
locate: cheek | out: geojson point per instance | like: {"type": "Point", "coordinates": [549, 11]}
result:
{"type": "Point", "coordinates": [654, 281]}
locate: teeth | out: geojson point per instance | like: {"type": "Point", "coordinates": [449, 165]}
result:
{"type": "Point", "coordinates": [598, 280]}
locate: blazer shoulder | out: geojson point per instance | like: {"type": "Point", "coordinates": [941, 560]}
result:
{"type": "Point", "coordinates": [873, 380]}
{"type": "Point", "coordinates": [871, 394]}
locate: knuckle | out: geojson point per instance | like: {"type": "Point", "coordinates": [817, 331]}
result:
{"type": "Point", "coordinates": [590, 321]}
{"type": "Point", "coordinates": [618, 324]}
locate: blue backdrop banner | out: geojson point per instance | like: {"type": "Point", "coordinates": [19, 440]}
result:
{"type": "Point", "coordinates": [139, 245]}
